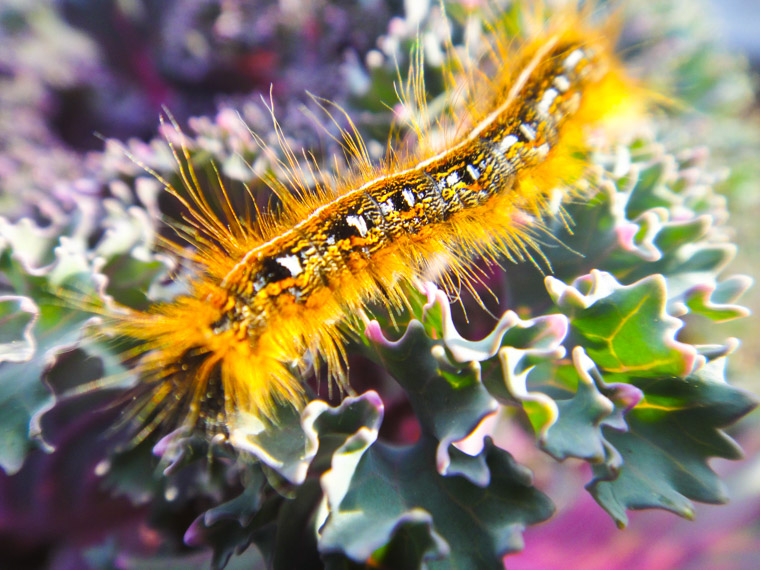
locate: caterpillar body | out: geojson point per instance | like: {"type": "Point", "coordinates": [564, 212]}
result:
{"type": "Point", "coordinates": [270, 294]}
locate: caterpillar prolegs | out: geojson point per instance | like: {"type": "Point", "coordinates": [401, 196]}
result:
{"type": "Point", "coordinates": [268, 296]}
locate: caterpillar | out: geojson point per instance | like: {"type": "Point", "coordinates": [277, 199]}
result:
{"type": "Point", "coordinates": [273, 294]}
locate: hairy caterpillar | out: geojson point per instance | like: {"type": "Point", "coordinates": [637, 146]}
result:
{"type": "Point", "coordinates": [269, 294]}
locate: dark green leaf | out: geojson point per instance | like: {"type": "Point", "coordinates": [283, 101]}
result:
{"type": "Point", "coordinates": [17, 318]}
{"type": "Point", "coordinates": [392, 486]}
{"type": "Point", "coordinates": [625, 329]}
{"type": "Point", "coordinates": [672, 434]}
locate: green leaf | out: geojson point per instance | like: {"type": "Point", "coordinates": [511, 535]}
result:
{"type": "Point", "coordinates": [625, 329]}
{"type": "Point", "coordinates": [391, 486]}
{"type": "Point", "coordinates": [227, 526]}
{"type": "Point", "coordinates": [717, 302]}
{"type": "Point", "coordinates": [18, 316]}
{"type": "Point", "coordinates": [82, 380]}
{"type": "Point", "coordinates": [281, 446]}
{"type": "Point", "coordinates": [518, 367]}
{"type": "Point", "coordinates": [577, 432]}
{"type": "Point", "coordinates": [275, 522]}
{"type": "Point", "coordinates": [23, 396]}
{"type": "Point", "coordinates": [412, 541]}
{"type": "Point", "coordinates": [448, 400]}
{"type": "Point", "coordinates": [671, 436]}
{"type": "Point", "coordinates": [566, 402]}
{"type": "Point", "coordinates": [649, 186]}
{"type": "Point", "coordinates": [56, 271]}
{"type": "Point", "coordinates": [381, 496]}
{"type": "Point", "coordinates": [459, 384]}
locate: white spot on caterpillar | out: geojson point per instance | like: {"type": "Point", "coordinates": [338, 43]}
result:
{"type": "Point", "coordinates": [546, 101]}
{"type": "Point", "coordinates": [452, 179]}
{"type": "Point", "coordinates": [543, 150]}
{"type": "Point", "coordinates": [572, 60]}
{"type": "Point", "coordinates": [291, 263]}
{"type": "Point", "coordinates": [561, 82]}
{"type": "Point", "coordinates": [386, 207]}
{"type": "Point", "coordinates": [330, 239]}
{"type": "Point", "coordinates": [408, 196]}
{"type": "Point", "coordinates": [528, 131]}
{"type": "Point", "coordinates": [359, 223]}
{"type": "Point", "coordinates": [507, 143]}
{"type": "Point", "coordinates": [473, 172]}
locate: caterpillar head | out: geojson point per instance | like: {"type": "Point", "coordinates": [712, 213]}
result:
{"type": "Point", "coordinates": [200, 368]}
